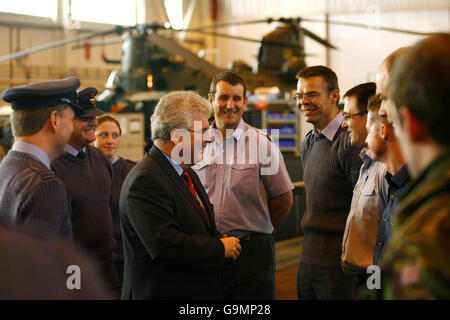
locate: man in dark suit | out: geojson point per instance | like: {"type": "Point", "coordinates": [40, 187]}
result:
{"type": "Point", "coordinates": [172, 248]}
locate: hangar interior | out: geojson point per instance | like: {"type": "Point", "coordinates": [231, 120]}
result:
{"type": "Point", "coordinates": [27, 24]}
{"type": "Point", "coordinates": [359, 51]}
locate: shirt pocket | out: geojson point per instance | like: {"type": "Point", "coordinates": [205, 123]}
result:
{"type": "Point", "coordinates": [369, 188]}
{"type": "Point", "coordinates": [371, 203]}
{"type": "Point", "coordinates": [243, 167]}
{"type": "Point", "coordinates": [244, 177]}
{"type": "Point", "coordinates": [203, 173]}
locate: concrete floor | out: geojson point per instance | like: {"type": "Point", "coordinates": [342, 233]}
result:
{"type": "Point", "coordinates": [287, 255]}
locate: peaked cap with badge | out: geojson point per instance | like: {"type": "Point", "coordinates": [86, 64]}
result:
{"type": "Point", "coordinates": [45, 94]}
{"type": "Point", "coordinates": [86, 99]}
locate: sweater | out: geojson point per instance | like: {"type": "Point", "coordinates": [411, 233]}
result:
{"type": "Point", "coordinates": [89, 181]}
{"type": "Point", "coordinates": [31, 196]}
{"type": "Point", "coordinates": [331, 170]}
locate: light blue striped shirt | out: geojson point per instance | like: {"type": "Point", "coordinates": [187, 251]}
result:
{"type": "Point", "coordinates": [233, 175]}
{"type": "Point", "coordinates": [330, 130]}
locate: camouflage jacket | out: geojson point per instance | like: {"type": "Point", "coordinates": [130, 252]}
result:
{"type": "Point", "coordinates": [417, 261]}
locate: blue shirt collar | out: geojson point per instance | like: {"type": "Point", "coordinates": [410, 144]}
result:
{"type": "Point", "coordinates": [71, 150]}
{"type": "Point", "coordinates": [32, 150]}
{"type": "Point", "coordinates": [367, 160]}
{"type": "Point", "coordinates": [237, 133]}
{"type": "Point", "coordinates": [401, 177]}
{"type": "Point", "coordinates": [330, 130]}
{"type": "Point", "coordinates": [179, 169]}
{"type": "Point", "coordinates": [114, 159]}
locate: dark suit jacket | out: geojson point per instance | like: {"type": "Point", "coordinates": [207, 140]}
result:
{"type": "Point", "coordinates": [172, 249]}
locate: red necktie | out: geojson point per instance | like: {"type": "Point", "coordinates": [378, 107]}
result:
{"type": "Point", "coordinates": [190, 184]}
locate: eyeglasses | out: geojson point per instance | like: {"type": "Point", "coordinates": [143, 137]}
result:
{"type": "Point", "coordinates": [350, 116]}
{"type": "Point", "coordinates": [308, 95]}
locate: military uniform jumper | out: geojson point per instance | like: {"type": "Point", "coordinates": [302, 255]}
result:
{"type": "Point", "coordinates": [32, 196]}
{"type": "Point", "coordinates": [88, 181]}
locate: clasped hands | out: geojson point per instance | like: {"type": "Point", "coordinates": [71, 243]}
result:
{"type": "Point", "coordinates": [232, 247]}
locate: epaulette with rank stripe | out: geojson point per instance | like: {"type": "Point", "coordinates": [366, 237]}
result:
{"type": "Point", "coordinates": [45, 174]}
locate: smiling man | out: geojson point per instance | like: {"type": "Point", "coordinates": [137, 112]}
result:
{"type": "Point", "coordinates": [249, 201]}
{"type": "Point", "coordinates": [86, 173]}
{"type": "Point", "coordinates": [370, 193]}
{"type": "Point", "coordinates": [331, 168]}
{"type": "Point", "coordinates": [172, 247]}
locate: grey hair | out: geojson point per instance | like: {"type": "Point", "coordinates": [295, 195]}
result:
{"type": "Point", "coordinates": [175, 110]}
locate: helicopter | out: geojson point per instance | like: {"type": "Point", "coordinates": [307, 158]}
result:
{"type": "Point", "coordinates": [150, 58]}
{"type": "Point", "coordinates": [152, 63]}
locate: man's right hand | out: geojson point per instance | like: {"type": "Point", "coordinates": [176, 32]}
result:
{"type": "Point", "coordinates": [232, 247]}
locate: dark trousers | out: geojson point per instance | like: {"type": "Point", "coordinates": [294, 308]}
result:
{"type": "Point", "coordinates": [252, 276]}
{"type": "Point", "coordinates": [323, 283]}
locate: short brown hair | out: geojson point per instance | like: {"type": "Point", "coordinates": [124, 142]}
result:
{"type": "Point", "coordinates": [325, 73]}
{"type": "Point", "coordinates": [362, 92]}
{"type": "Point", "coordinates": [373, 106]}
{"type": "Point", "coordinates": [107, 118]}
{"type": "Point", "coordinates": [228, 76]}
{"type": "Point", "coordinates": [26, 123]}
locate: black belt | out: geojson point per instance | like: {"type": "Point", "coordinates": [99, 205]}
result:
{"type": "Point", "coordinates": [252, 235]}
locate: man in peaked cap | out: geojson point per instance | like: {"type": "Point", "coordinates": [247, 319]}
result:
{"type": "Point", "coordinates": [87, 174]}
{"type": "Point", "coordinates": [30, 193]}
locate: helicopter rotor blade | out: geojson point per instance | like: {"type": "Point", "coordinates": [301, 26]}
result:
{"type": "Point", "coordinates": [224, 35]}
{"type": "Point", "coordinates": [191, 59]}
{"type": "Point", "coordinates": [229, 24]}
{"type": "Point", "coordinates": [300, 19]}
{"type": "Point", "coordinates": [315, 37]}
{"type": "Point", "coordinates": [367, 26]}
{"type": "Point", "coordinates": [58, 43]}
{"type": "Point", "coordinates": [291, 21]}
{"type": "Point", "coordinates": [99, 43]}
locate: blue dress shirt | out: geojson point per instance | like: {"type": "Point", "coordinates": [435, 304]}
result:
{"type": "Point", "coordinates": [397, 185]}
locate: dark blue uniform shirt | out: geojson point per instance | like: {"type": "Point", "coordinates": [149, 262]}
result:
{"type": "Point", "coordinates": [397, 184]}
